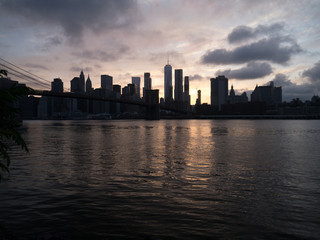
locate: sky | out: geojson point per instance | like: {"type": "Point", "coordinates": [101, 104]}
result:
{"type": "Point", "coordinates": [250, 42]}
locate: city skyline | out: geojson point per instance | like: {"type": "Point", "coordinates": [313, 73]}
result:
{"type": "Point", "coordinates": [272, 41]}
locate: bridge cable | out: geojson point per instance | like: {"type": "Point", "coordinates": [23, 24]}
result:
{"type": "Point", "coordinates": [23, 76]}
{"type": "Point", "coordinates": [42, 80]}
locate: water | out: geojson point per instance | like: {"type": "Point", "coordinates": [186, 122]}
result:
{"type": "Point", "coordinates": [168, 179]}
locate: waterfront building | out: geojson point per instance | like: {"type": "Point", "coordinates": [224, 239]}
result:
{"type": "Point", "coordinates": [233, 98]}
{"type": "Point", "coordinates": [147, 83]}
{"type": "Point", "coordinates": [219, 91]}
{"type": "Point", "coordinates": [198, 101]}
{"type": "Point", "coordinates": [57, 85]}
{"type": "Point", "coordinates": [178, 88]}
{"type": "Point", "coordinates": [82, 82]}
{"type": "Point", "coordinates": [271, 95]}
{"type": "Point", "coordinates": [116, 88]}
{"type": "Point", "coordinates": [168, 83]}
{"type": "Point", "coordinates": [129, 90]}
{"type": "Point", "coordinates": [106, 82]}
{"type": "Point", "coordinates": [186, 95]}
{"type": "Point", "coordinates": [75, 85]}
{"type": "Point", "coordinates": [89, 88]}
{"type": "Point", "coordinates": [137, 81]}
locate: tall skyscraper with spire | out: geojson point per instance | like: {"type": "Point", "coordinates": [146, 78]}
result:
{"type": "Point", "coordinates": [89, 88]}
{"type": "Point", "coordinates": [168, 83]}
{"type": "Point", "coordinates": [82, 82]}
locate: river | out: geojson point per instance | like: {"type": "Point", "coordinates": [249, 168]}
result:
{"type": "Point", "coordinates": [167, 179]}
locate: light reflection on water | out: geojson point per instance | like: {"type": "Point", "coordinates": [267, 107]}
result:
{"type": "Point", "coordinates": [178, 179]}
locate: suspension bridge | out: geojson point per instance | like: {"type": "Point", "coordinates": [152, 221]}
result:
{"type": "Point", "coordinates": [38, 84]}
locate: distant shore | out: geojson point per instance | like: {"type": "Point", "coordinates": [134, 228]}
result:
{"type": "Point", "coordinates": [246, 117]}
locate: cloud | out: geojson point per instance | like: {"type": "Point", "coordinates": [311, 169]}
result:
{"type": "Point", "coordinates": [51, 42]}
{"type": "Point", "coordinates": [74, 16]}
{"type": "Point", "coordinates": [313, 74]}
{"type": "Point", "coordinates": [195, 77]}
{"type": "Point", "coordinates": [291, 90]}
{"type": "Point", "coordinates": [175, 58]}
{"type": "Point", "coordinates": [277, 49]}
{"type": "Point", "coordinates": [282, 80]}
{"type": "Point", "coordinates": [242, 33]}
{"type": "Point", "coordinates": [37, 66]}
{"type": "Point", "coordinates": [78, 70]}
{"type": "Point", "coordinates": [252, 70]}
{"type": "Point", "coordinates": [102, 56]}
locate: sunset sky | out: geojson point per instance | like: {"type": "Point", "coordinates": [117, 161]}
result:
{"type": "Point", "coordinates": [250, 42]}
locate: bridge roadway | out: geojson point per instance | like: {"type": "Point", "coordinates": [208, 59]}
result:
{"type": "Point", "coordinates": [105, 99]}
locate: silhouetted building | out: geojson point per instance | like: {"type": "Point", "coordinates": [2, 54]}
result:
{"type": "Point", "coordinates": [75, 85]}
{"type": "Point", "coordinates": [129, 90]}
{"type": "Point", "coordinates": [233, 98]}
{"type": "Point", "coordinates": [198, 101]}
{"type": "Point", "coordinates": [101, 106]}
{"type": "Point", "coordinates": [106, 82]}
{"type": "Point", "coordinates": [137, 81]}
{"type": "Point", "coordinates": [29, 107]}
{"type": "Point", "coordinates": [89, 88]}
{"type": "Point", "coordinates": [271, 95]}
{"type": "Point", "coordinates": [115, 108]}
{"type": "Point", "coordinates": [82, 82]}
{"type": "Point", "coordinates": [125, 91]}
{"type": "Point", "coordinates": [116, 88]}
{"type": "Point", "coordinates": [219, 91]}
{"type": "Point", "coordinates": [57, 103]}
{"type": "Point", "coordinates": [178, 88]}
{"type": "Point", "coordinates": [147, 83]}
{"type": "Point", "coordinates": [168, 98]}
{"type": "Point", "coordinates": [152, 98]}
{"type": "Point", "coordinates": [78, 86]}
{"type": "Point", "coordinates": [57, 85]}
{"type": "Point", "coordinates": [186, 95]}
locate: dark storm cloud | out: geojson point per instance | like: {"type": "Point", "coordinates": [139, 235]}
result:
{"type": "Point", "coordinates": [277, 49]}
{"type": "Point", "coordinates": [313, 74]}
{"type": "Point", "coordinates": [253, 70]}
{"type": "Point", "coordinates": [242, 33]}
{"type": "Point", "coordinates": [291, 90]}
{"type": "Point", "coordinates": [282, 80]}
{"type": "Point", "coordinates": [75, 15]}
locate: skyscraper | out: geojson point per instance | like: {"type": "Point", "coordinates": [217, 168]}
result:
{"type": "Point", "coordinates": [147, 83]}
{"type": "Point", "coordinates": [57, 104]}
{"type": "Point", "coordinates": [106, 82]}
{"type": "Point", "coordinates": [75, 85]}
{"type": "Point", "coordinates": [178, 89]}
{"type": "Point", "coordinates": [168, 83]}
{"type": "Point", "coordinates": [89, 88]}
{"type": "Point", "coordinates": [82, 82]}
{"type": "Point", "coordinates": [186, 92]}
{"type": "Point", "coordinates": [136, 81]}
{"type": "Point", "coordinates": [198, 101]}
{"type": "Point", "coordinates": [57, 85]}
{"type": "Point", "coordinates": [219, 91]}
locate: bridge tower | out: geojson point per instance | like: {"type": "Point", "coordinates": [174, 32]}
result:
{"type": "Point", "coordinates": [152, 99]}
